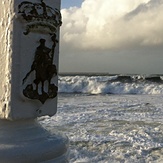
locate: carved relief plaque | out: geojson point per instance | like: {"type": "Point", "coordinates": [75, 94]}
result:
{"type": "Point", "coordinates": [40, 21]}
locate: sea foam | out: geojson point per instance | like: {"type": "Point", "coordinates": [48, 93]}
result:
{"type": "Point", "coordinates": [116, 84]}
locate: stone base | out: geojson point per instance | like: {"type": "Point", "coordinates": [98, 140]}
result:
{"type": "Point", "coordinates": [26, 141]}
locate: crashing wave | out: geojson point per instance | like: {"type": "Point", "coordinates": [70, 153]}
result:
{"type": "Point", "coordinates": [135, 84]}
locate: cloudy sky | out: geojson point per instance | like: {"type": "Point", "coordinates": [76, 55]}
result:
{"type": "Point", "coordinates": [113, 36]}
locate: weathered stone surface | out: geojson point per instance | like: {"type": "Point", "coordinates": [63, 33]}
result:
{"type": "Point", "coordinates": [29, 50]}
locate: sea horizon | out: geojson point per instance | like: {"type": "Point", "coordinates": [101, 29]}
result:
{"type": "Point", "coordinates": [107, 74]}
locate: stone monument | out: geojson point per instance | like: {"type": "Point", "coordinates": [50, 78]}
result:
{"type": "Point", "coordinates": [29, 51]}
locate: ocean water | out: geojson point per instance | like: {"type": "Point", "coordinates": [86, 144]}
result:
{"type": "Point", "coordinates": [110, 118]}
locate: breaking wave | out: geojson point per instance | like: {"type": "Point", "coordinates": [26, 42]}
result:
{"type": "Point", "coordinates": [116, 84]}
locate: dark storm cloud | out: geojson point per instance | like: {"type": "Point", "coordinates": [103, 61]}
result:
{"type": "Point", "coordinates": [144, 7]}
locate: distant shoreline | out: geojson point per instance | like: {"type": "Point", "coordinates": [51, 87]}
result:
{"type": "Point", "coordinates": [103, 74]}
{"type": "Point", "coordinates": [85, 73]}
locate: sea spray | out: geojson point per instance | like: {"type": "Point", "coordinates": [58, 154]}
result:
{"type": "Point", "coordinates": [116, 84]}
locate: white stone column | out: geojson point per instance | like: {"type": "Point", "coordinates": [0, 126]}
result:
{"type": "Point", "coordinates": [29, 50]}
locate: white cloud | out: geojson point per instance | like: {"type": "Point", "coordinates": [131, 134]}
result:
{"type": "Point", "coordinates": [110, 24]}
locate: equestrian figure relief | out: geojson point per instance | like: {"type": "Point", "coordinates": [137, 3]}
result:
{"type": "Point", "coordinates": [44, 70]}
{"type": "Point", "coordinates": [43, 19]}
